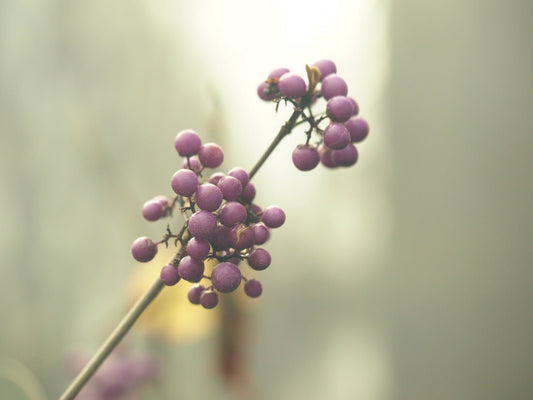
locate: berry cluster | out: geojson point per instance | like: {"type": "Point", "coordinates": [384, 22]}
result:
{"type": "Point", "coordinates": [222, 223]}
{"type": "Point", "coordinates": [334, 143]}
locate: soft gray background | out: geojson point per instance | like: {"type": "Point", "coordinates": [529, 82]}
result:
{"type": "Point", "coordinates": [406, 277]}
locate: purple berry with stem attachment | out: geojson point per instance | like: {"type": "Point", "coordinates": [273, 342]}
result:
{"type": "Point", "coordinates": [358, 128]}
{"type": "Point", "coordinates": [305, 157]}
{"type": "Point", "coordinates": [333, 85]}
{"type": "Point", "coordinates": [194, 293]}
{"type": "Point", "coordinates": [143, 249]}
{"type": "Point", "coordinates": [198, 248]}
{"type": "Point", "coordinates": [211, 155]}
{"type": "Point", "coordinates": [277, 73]}
{"type": "Point", "coordinates": [232, 213]}
{"type": "Point", "coordinates": [336, 136]}
{"type": "Point", "coordinates": [208, 197]}
{"type": "Point", "coordinates": [326, 67]}
{"type": "Point", "coordinates": [169, 275]}
{"type": "Point", "coordinates": [253, 288]}
{"type": "Point", "coordinates": [230, 187]}
{"type": "Point", "coordinates": [209, 299]}
{"type": "Point", "coordinates": [152, 210]}
{"type": "Point", "coordinates": [226, 277]}
{"type": "Point", "coordinates": [190, 269]}
{"type": "Point", "coordinates": [339, 109]}
{"type": "Point", "coordinates": [259, 259]}
{"type": "Point", "coordinates": [346, 157]}
{"type": "Point", "coordinates": [242, 237]}
{"type": "Point", "coordinates": [184, 182]}
{"type": "Point", "coordinates": [187, 143]}
{"type": "Point", "coordinates": [292, 86]}
{"type": "Point", "coordinates": [273, 217]}
{"type": "Point", "coordinates": [201, 224]}
{"type": "Point", "coordinates": [264, 93]}
{"type": "Point", "coordinates": [192, 163]}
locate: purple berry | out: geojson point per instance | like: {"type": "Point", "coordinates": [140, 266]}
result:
{"type": "Point", "coordinates": [232, 213]}
{"type": "Point", "coordinates": [292, 86]}
{"type": "Point", "coordinates": [192, 163]}
{"type": "Point", "coordinates": [354, 105]}
{"type": "Point", "coordinates": [208, 197]}
{"type": "Point", "coordinates": [220, 239]}
{"type": "Point", "coordinates": [152, 210]}
{"type": "Point", "coordinates": [326, 156]}
{"type": "Point", "coordinates": [339, 109]}
{"type": "Point", "coordinates": [209, 299]}
{"type": "Point", "coordinates": [264, 92]}
{"type": "Point", "coordinates": [253, 288]}
{"type": "Point", "coordinates": [240, 174]}
{"type": "Point", "coordinates": [336, 136]}
{"type": "Point", "coordinates": [248, 192]}
{"type": "Point", "coordinates": [277, 73]}
{"type": "Point", "coordinates": [358, 129]}
{"type": "Point", "coordinates": [215, 178]}
{"type": "Point", "coordinates": [242, 237]}
{"type": "Point", "coordinates": [169, 275]}
{"type": "Point", "coordinates": [194, 293]}
{"type": "Point", "coordinates": [259, 259]}
{"type": "Point", "coordinates": [198, 248]}
{"type": "Point", "coordinates": [273, 217]}
{"type": "Point", "coordinates": [346, 157]}
{"type": "Point", "coordinates": [184, 182]}
{"type": "Point", "coordinates": [226, 277]}
{"type": "Point", "coordinates": [333, 85]}
{"type": "Point", "coordinates": [187, 143]}
{"type": "Point", "coordinates": [305, 157]}
{"type": "Point", "coordinates": [326, 67]}
{"type": "Point", "coordinates": [143, 249]}
{"type": "Point", "coordinates": [190, 269]}
{"type": "Point", "coordinates": [211, 155]}
{"type": "Point", "coordinates": [230, 186]}
{"type": "Point", "coordinates": [262, 234]}
{"type": "Point", "coordinates": [201, 224]}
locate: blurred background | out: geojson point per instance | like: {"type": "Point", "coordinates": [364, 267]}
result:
{"type": "Point", "coordinates": [407, 276]}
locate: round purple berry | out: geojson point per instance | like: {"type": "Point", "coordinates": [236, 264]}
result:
{"type": "Point", "coordinates": [194, 293]}
{"type": "Point", "coordinates": [354, 105]}
{"type": "Point", "coordinates": [242, 237]}
{"type": "Point", "coordinates": [326, 67]}
{"type": "Point", "coordinates": [198, 248]}
{"type": "Point", "coordinates": [169, 275]}
{"type": "Point", "coordinates": [211, 155]}
{"type": "Point", "coordinates": [230, 186]}
{"type": "Point", "coordinates": [190, 269]}
{"type": "Point", "coordinates": [209, 299]}
{"type": "Point", "coordinates": [253, 288]}
{"type": "Point", "coordinates": [184, 182]}
{"type": "Point", "coordinates": [248, 192]}
{"type": "Point", "coordinates": [305, 157]}
{"type": "Point", "coordinates": [226, 277]}
{"type": "Point", "coordinates": [192, 163]}
{"type": "Point", "coordinates": [264, 91]}
{"type": "Point", "coordinates": [292, 86]}
{"type": "Point", "coordinates": [358, 128]}
{"type": "Point", "coordinates": [259, 259]}
{"type": "Point", "coordinates": [143, 249]}
{"type": "Point", "coordinates": [240, 174]}
{"type": "Point", "coordinates": [208, 197]}
{"type": "Point", "coordinates": [277, 73]}
{"type": "Point", "coordinates": [333, 85]}
{"type": "Point", "coordinates": [346, 157]}
{"type": "Point", "coordinates": [262, 234]}
{"type": "Point", "coordinates": [273, 217]}
{"type": "Point", "coordinates": [336, 136]}
{"type": "Point", "coordinates": [232, 213]}
{"type": "Point", "coordinates": [326, 156]}
{"type": "Point", "coordinates": [215, 178]}
{"type": "Point", "coordinates": [221, 238]}
{"type": "Point", "coordinates": [187, 143]}
{"type": "Point", "coordinates": [152, 210]}
{"type": "Point", "coordinates": [201, 224]}
{"type": "Point", "coordinates": [339, 109]}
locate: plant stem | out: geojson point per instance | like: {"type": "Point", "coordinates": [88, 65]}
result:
{"type": "Point", "coordinates": [113, 340]}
